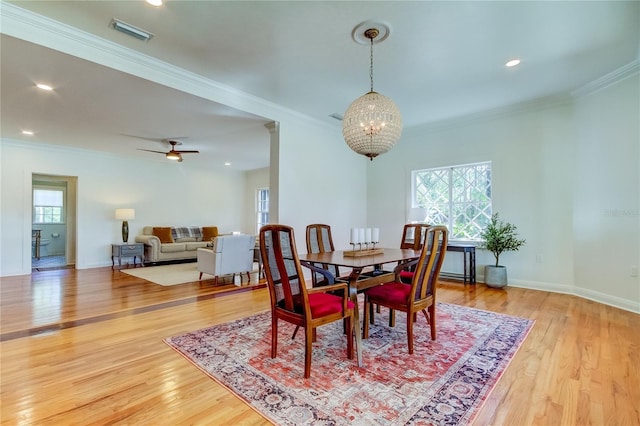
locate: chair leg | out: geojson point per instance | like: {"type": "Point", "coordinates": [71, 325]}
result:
{"type": "Point", "coordinates": [248, 277]}
{"type": "Point", "coordinates": [365, 321]}
{"type": "Point", "coordinates": [410, 331]}
{"type": "Point", "coordinates": [200, 277]}
{"type": "Point", "coordinates": [309, 332]}
{"type": "Point", "coordinates": [432, 320]}
{"type": "Point", "coordinates": [372, 313]}
{"type": "Point", "coordinates": [349, 325]}
{"type": "Point", "coordinates": [392, 317]}
{"type": "Point", "coordinates": [295, 332]}
{"type": "Point", "coordinates": [274, 336]}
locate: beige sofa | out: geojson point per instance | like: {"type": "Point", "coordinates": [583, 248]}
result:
{"type": "Point", "coordinates": [185, 244]}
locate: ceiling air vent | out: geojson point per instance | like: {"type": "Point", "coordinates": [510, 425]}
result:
{"type": "Point", "coordinates": [130, 30]}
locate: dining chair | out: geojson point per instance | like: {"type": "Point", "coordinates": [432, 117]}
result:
{"type": "Point", "coordinates": [319, 240]}
{"type": "Point", "coordinates": [292, 301]}
{"type": "Point", "coordinates": [421, 294]}
{"type": "Point", "coordinates": [412, 238]}
{"type": "Point", "coordinates": [413, 235]}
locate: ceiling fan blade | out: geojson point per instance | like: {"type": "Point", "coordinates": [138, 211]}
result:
{"type": "Point", "coordinates": [150, 150]}
{"type": "Point", "coordinates": [188, 152]}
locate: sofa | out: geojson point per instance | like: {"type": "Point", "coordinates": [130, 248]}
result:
{"type": "Point", "coordinates": [165, 243]}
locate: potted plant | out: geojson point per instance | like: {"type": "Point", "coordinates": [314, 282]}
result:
{"type": "Point", "coordinates": [498, 237]}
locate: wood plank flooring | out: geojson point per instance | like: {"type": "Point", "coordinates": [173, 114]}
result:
{"type": "Point", "coordinates": [85, 347]}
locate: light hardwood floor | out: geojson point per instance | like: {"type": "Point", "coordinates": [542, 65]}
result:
{"type": "Point", "coordinates": [85, 347]}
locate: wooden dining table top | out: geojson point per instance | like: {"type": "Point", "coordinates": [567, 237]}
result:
{"type": "Point", "coordinates": [338, 258]}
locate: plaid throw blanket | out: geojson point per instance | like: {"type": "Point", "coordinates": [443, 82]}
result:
{"type": "Point", "coordinates": [186, 231]}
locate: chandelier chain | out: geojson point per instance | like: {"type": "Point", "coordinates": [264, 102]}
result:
{"type": "Point", "coordinates": [371, 64]}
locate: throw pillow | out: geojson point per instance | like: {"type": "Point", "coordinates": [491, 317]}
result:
{"type": "Point", "coordinates": [209, 233]}
{"type": "Point", "coordinates": [164, 233]}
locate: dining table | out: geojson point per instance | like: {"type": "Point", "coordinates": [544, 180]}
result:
{"type": "Point", "coordinates": [366, 271]}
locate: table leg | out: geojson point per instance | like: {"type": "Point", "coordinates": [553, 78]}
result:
{"type": "Point", "coordinates": [464, 268]}
{"type": "Point", "coordinates": [353, 294]}
{"type": "Point", "coordinates": [472, 260]}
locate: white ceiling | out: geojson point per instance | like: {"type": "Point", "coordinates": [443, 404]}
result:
{"type": "Point", "coordinates": [442, 60]}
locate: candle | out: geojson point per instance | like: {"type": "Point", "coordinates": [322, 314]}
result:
{"type": "Point", "coordinates": [361, 236]}
{"type": "Point", "coordinates": [375, 235]}
{"type": "Point", "coordinates": [354, 235]}
{"type": "Point", "coordinates": [367, 235]}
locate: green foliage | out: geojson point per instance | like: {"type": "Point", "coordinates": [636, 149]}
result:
{"type": "Point", "coordinates": [500, 236]}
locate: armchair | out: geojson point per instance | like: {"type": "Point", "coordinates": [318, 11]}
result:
{"type": "Point", "coordinates": [230, 254]}
{"type": "Point", "coordinates": [292, 301]}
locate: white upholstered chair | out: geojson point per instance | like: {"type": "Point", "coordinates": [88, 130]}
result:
{"type": "Point", "coordinates": [230, 254]}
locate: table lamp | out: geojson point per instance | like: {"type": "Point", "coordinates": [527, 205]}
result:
{"type": "Point", "coordinates": [124, 215]}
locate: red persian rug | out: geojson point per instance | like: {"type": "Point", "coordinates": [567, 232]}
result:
{"type": "Point", "coordinates": [444, 382]}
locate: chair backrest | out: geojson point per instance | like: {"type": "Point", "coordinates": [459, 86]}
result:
{"type": "Point", "coordinates": [282, 268]}
{"type": "Point", "coordinates": [428, 267]}
{"type": "Point", "coordinates": [319, 241]}
{"type": "Point", "coordinates": [233, 253]}
{"type": "Point", "coordinates": [413, 236]}
{"type": "Point", "coordinates": [319, 238]}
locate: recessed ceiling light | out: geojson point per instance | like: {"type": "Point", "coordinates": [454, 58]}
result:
{"type": "Point", "coordinates": [227, 163]}
{"type": "Point", "coordinates": [155, 2]}
{"type": "Point", "coordinates": [44, 86]}
{"type": "Point", "coordinates": [513, 63]}
{"type": "Point", "coordinates": [27, 132]}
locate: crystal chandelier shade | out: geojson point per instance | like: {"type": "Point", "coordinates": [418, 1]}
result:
{"type": "Point", "coordinates": [372, 124]}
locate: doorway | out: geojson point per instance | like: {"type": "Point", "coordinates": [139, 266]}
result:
{"type": "Point", "coordinates": [53, 218]}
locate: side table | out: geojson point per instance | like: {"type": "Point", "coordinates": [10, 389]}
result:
{"type": "Point", "coordinates": [471, 250]}
{"type": "Point", "coordinates": [127, 250]}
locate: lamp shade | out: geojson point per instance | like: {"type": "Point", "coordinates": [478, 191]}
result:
{"type": "Point", "coordinates": [372, 125]}
{"type": "Point", "coordinates": [125, 214]}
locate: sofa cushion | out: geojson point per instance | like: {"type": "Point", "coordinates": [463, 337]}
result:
{"type": "Point", "coordinates": [172, 247]}
{"type": "Point", "coordinates": [196, 245]}
{"type": "Point", "coordinates": [181, 232]}
{"type": "Point", "coordinates": [163, 233]}
{"type": "Point", "coordinates": [209, 233]}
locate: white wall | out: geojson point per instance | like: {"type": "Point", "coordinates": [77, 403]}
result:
{"type": "Point", "coordinates": [256, 179]}
{"type": "Point", "coordinates": [321, 181]}
{"type": "Point", "coordinates": [606, 198]}
{"type": "Point", "coordinates": [551, 166]}
{"type": "Point", "coordinates": [161, 192]}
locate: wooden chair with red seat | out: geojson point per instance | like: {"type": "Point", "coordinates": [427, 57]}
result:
{"type": "Point", "coordinates": [412, 238]}
{"type": "Point", "coordinates": [421, 294]}
{"type": "Point", "coordinates": [319, 240]}
{"type": "Point", "coordinates": [292, 301]}
{"type": "Point", "coordinates": [413, 235]}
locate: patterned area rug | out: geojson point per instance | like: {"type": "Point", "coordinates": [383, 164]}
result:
{"type": "Point", "coordinates": [444, 382]}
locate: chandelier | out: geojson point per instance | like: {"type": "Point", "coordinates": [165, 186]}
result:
{"type": "Point", "coordinates": [372, 124]}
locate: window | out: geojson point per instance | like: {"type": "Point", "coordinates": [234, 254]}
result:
{"type": "Point", "coordinates": [458, 197]}
{"type": "Point", "coordinates": [48, 206]}
{"type": "Point", "coordinates": [262, 208]}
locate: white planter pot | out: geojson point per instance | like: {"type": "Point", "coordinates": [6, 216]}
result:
{"type": "Point", "coordinates": [495, 276]}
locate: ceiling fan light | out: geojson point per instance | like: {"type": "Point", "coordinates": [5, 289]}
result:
{"type": "Point", "coordinates": [171, 155]}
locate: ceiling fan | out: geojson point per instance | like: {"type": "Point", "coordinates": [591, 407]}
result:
{"type": "Point", "coordinates": [173, 154]}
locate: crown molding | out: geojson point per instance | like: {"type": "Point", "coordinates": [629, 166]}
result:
{"type": "Point", "coordinates": [616, 76]}
{"type": "Point", "coordinates": [493, 114]}
{"type": "Point", "coordinates": [40, 30]}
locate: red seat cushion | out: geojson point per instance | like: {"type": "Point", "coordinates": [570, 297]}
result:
{"type": "Point", "coordinates": [322, 304]}
{"type": "Point", "coordinates": [394, 292]}
{"type": "Point", "coordinates": [406, 276]}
